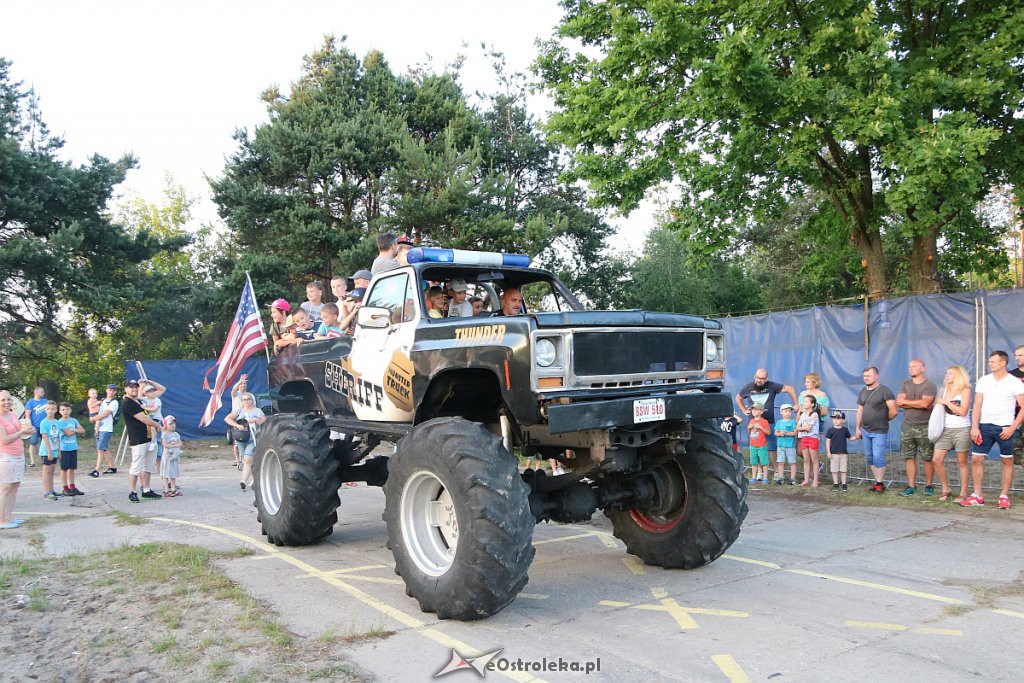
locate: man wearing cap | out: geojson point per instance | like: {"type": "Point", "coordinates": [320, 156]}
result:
{"type": "Point", "coordinates": [104, 421]}
{"type": "Point", "coordinates": [279, 311]}
{"type": "Point", "coordinates": [459, 307]}
{"type": "Point", "coordinates": [361, 279]}
{"type": "Point", "coordinates": [387, 248]}
{"type": "Point", "coordinates": [764, 392]}
{"type": "Point", "coordinates": [143, 460]}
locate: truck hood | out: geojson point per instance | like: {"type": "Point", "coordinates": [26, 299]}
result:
{"type": "Point", "coordinates": [634, 318]}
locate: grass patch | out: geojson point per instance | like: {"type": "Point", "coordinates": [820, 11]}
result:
{"type": "Point", "coordinates": [37, 541]}
{"type": "Point", "coordinates": [37, 601]}
{"type": "Point", "coordinates": [375, 633]}
{"type": "Point", "coordinates": [219, 666]}
{"type": "Point", "coordinates": [164, 644]}
{"type": "Point", "coordinates": [125, 519]}
{"type": "Point", "coordinates": [331, 672]}
{"type": "Point", "coordinates": [277, 633]}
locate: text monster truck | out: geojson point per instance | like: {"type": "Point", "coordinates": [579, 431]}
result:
{"type": "Point", "coordinates": [628, 401]}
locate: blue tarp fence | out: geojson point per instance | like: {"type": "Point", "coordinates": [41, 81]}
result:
{"type": "Point", "coordinates": [186, 399]}
{"type": "Point", "coordinates": [838, 342]}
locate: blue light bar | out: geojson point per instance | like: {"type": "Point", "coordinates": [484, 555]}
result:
{"type": "Point", "coordinates": [467, 258]}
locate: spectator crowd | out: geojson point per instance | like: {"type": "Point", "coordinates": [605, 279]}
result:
{"type": "Point", "coordinates": [977, 423]}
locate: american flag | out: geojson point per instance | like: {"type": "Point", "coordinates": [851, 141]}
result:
{"type": "Point", "coordinates": [245, 338]}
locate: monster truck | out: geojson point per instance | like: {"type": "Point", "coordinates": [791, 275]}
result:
{"type": "Point", "coordinates": [628, 401]}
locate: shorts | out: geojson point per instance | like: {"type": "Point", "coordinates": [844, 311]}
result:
{"type": "Point", "coordinates": [808, 442]}
{"type": "Point", "coordinates": [69, 460]}
{"type": "Point", "coordinates": [989, 438]}
{"type": "Point", "coordinates": [840, 462]}
{"type": "Point", "coordinates": [247, 449]}
{"type": "Point", "coordinates": [169, 464]}
{"type": "Point", "coordinates": [49, 462]}
{"type": "Point", "coordinates": [143, 459]}
{"type": "Point", "coordinates": [914, 441]}
{"type": "Point", "coordinates": [954, 439]}
{"type": "Point", "coordinates": [103, 441]}
{"type": "Point", "coordinates": [34, 437]}
{"type": "Point", "coordinates": [874, 447]}
{"type": "Point", "coordinates": [787, 454]}
{"type": "Point", "coordinates": [759, 455]}
{"type": "Point", "coordinates": [12, 469]}
{"type": "Point", "coordinates": [773, 442]}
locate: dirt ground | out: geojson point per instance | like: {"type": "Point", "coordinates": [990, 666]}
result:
{"type": "Point", "coordinates": [153, 611]}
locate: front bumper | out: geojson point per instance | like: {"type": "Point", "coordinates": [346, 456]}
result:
{"type": "Point", "coordinates": [575, 417]}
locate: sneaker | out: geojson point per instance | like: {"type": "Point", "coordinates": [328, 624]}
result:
{"type": "Point", "coordinates": [845, 488]}
{"type": "Point", "coordinates": [133, 497]}
{"type": "Point", "coordinates": [66, 493]}
{"type": "Point", "coordinates": [778, 482]}
{"type": "Point", "coordinates": [77, 492]}
{"type": "Point", "coordinates": [151, 495]}
{"type": "Point", "coordinates": [52, 495]}
{"type": "Point", "coordinates": [929, 490]}
{"type": "Point", "coordinates": [909, 491]}
{"type": "Point", "coordinates": [972, 501]}
{"type": "Point", "coordinates": [835, 487]}
{"type": "Point", "coordinates": [791, 482]}
{"type": "Point", "coordinates": [241, 485]}
{"type": "Point", "coordinates": [110, 470]}
{"type": "Point", "coordinates": [94, 474]}
{"type": "Point", "coordinates": [1004, 502]}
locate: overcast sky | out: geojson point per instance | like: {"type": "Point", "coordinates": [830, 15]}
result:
{"type": "Point", "coordinates": [169, 82]}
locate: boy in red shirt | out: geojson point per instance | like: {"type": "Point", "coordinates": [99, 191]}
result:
{"type": "Point", "coordinates": [759, 429]}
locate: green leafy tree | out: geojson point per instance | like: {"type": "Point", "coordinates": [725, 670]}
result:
{"type": "Point", "coordinates": [900, 116]}
{"type": "Point", "coordinates": [61, 256]}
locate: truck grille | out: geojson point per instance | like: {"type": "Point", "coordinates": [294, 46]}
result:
{"type": "Point", "coordinates": [636, 352]}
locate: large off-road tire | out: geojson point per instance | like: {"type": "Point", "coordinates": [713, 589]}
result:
{"type": "Point", "coordinates": [701, 503]}
{"type": "Point", "coordinates": [459, 521]}
{"type": "Point", "coordinates": [295, 478]}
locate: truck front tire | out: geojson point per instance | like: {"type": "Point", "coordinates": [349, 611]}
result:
{"type": "Point", "coordinates": [701, 504]}
{"type": "Point", "coordinates": [458, 518]}
{"type": "Point", "coordinates": [295, 480]}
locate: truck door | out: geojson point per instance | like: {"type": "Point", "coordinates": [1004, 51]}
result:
{"type": "Point", "coordinates": [378, 372]}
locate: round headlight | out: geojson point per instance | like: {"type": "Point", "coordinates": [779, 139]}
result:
{"type": "Point", "coordinates": [711, 350]}
{"type": "Point", "coordinates": [544, 352]}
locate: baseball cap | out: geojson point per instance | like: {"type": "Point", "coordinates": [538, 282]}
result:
{"type": "Point", "coordinates": [169, 419]}
{"type": "Point", "coordinates": [282, 305]}
{"type": "Point", "coordinates": [839, 414]}
{"type": "Point", "coordinates": [404, 239]}
{"type": "Point", "coordinates": [758, 406]}
{"type": "Point", "coordinates": [131, 383]}
{"type": "Point", "coordinates": [111, 386]}
{"type": "Point", "coordinates": [362, 275]}
{"type": "Point", "coordinates": [786, 405]}
{"type": "Point", "coordinates": [458, 284]}
{"type": "Point", "coordinates": [358, 292]}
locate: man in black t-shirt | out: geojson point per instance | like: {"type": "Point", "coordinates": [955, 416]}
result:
{"type": "Point", "coordinates": [764, 392]}
{"type": "Point", "coordinates": [1018, 441]}
{"type": "Point", "coordinates": [135, 426]}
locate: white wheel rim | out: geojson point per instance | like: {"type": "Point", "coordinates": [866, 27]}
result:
{"type": "Point", "coordinates": [430, 527]}
{"type": "Point", "coordinates": [271, 481]}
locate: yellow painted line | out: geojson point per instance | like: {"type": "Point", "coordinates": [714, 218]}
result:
{"type": "Point", "coordinates": [881, 626]}
{"type": "Point", "coordinates": [533, 596]}
{"type": "Point", "coordinates": [876, 625]}
{"type": "Point", "coordinates": [608, 540]}
{"type": "Point", "coordinates": [365, 567]}
{"type": "Point", "coordinates": [1008, 613]}
{"type": "Point", "coordinates": [565, 538]}
{"type": "Point", "coordinates": [354, 577]}
{"type": "Point", "coordinates": [56, 514]}
{"type": "Point", "coordinates": [878, 586]}
{"type": "Point", "coordinates": [634, 566]}
{"type": "Point", "coordinates": [747, 560]}
{"type": "Point", "coordinates": [728, 666]}
{"type": "Point", "coordinates": [363, 597]}
{"type": "Point", "coordinates": [259, 557]}
{"type": "Point", "coordinates": [614, 603]}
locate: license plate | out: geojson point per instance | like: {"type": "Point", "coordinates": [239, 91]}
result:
{"type": "Point", "coordinates": [648, 410]}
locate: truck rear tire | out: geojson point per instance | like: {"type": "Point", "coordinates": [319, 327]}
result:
{"type": "Point", "coordinates": [295, 480]}
{"type": "Point", "coordinates": [458, 517]}
{"type": "Point", "coordinates": [701, 504]}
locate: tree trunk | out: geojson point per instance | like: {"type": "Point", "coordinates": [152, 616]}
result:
{"type": "Point", "coordinates": [869, 246]}
{"type": "Point", "coordinates": [924, 263]}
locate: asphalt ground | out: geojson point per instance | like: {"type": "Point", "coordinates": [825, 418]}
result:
{"type": "Point", "coordinates": [816, 587]}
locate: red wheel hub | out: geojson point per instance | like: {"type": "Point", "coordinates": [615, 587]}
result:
{"type": "Point", "coordinates": [655, 525]}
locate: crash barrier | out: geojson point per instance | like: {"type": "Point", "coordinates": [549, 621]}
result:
{"type": "Point", "coordinates": [186, 399]}
{"type": "Point", "coordinates": [838, 342]}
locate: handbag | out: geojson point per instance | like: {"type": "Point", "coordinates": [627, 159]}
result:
{"type": "Point", "coordinates": [937, 421]}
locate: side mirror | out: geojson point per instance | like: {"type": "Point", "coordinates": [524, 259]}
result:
{"type": "Point", "coordinates": [373, 318]}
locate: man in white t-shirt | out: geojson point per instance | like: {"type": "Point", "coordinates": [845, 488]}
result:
{"type": "Point", "coordinates": [104, 421]}
{"type": "Point", "coordinates": [996, 396]}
